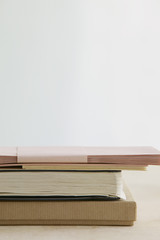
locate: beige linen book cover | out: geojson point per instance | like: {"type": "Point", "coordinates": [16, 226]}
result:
{"type": "Point", "coordinates": [120, 212]}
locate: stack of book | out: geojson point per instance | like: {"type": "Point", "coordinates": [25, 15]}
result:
{"type": "Point", "coordinates": [69, 185]}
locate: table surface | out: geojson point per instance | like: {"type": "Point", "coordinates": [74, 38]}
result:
{"type": "Point", "coordinates": [145, 187]}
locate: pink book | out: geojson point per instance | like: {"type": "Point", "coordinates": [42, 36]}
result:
{"type": "Point", "coordinates": [83, 155]}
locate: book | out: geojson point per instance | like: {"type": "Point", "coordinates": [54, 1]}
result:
{"type": "Point", "coordinates": [74, 166]}
{"type": "Point", "coordinates": [83, 167]}
{"type": "Point", "coordinates": [20, 156]}
{"type": "Point", "coordinates": [120, 212]}
{"type": "Point", "coordinates": [60, 185]}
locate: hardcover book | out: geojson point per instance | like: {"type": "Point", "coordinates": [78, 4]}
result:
{"type": "Point", "coordinates": [114, 212]}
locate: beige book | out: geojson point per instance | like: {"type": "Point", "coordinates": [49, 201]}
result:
{"type": "Point", "coordinates": [120, 212]}
{"type": "Point", "coordinates": [83, 167]}
{"type": "Point", "coordinates": [71, 166]}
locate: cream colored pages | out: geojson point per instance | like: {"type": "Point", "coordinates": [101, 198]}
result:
{"type": "Point", "coordinates": [49, 183]}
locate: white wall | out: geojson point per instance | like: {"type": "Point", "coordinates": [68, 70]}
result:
{"type": "Point", "coordinates": [80, 72]}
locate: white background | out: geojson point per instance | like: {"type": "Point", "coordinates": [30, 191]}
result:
{"type": "Point", "coordinates": [79, 72]}
{"type": "Point", "coordinates": [83, 72]}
